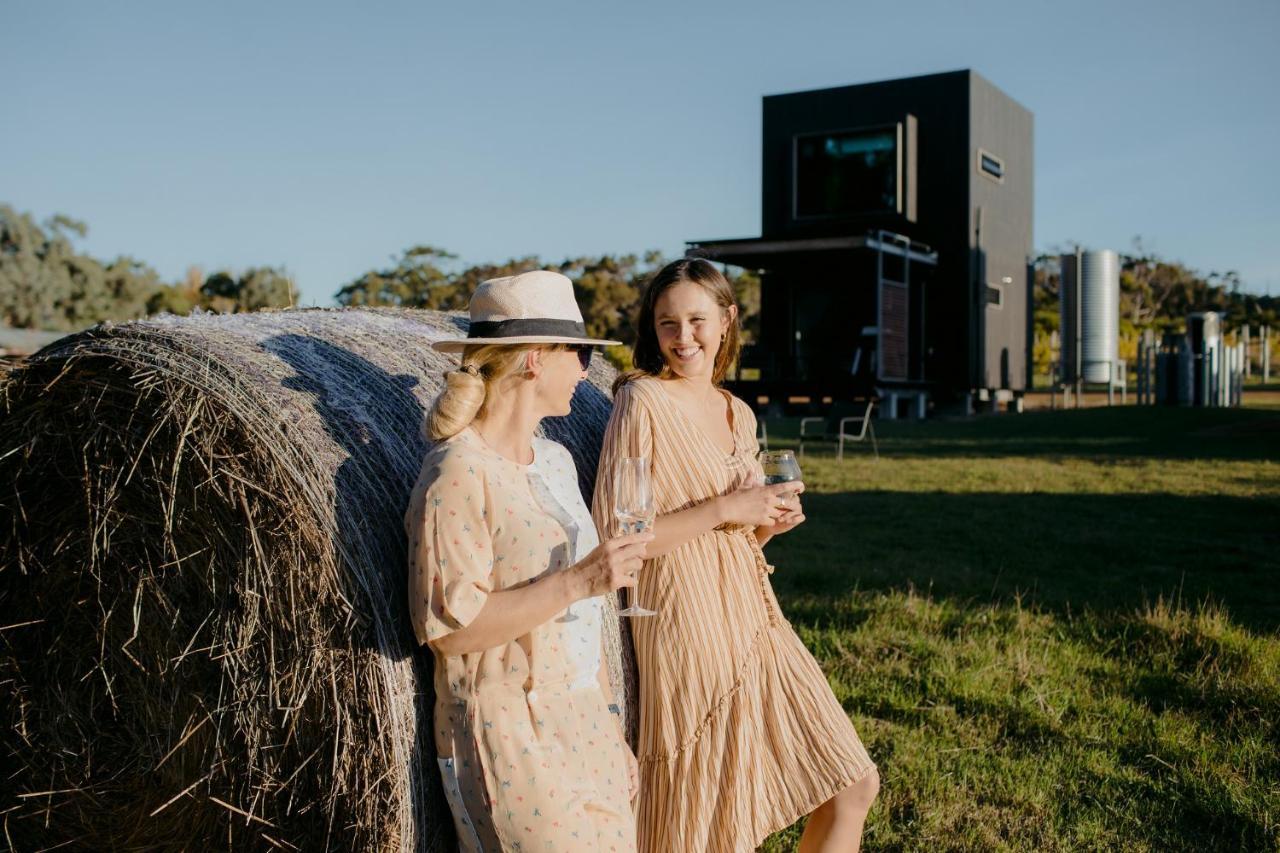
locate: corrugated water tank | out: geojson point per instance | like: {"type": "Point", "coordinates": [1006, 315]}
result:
{"type": "Point", "coordinates": [1090, 303]}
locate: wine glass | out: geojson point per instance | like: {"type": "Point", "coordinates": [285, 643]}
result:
{"type": "Point", "coordinates": [779, 466]}
{"type": "Point", "coordinates": [633, 506]}
{"type": "Point", "coordinates": [568, 615]}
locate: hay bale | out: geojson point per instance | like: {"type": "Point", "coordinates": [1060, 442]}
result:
{"type": "Point", "coordinates": [204, 636]}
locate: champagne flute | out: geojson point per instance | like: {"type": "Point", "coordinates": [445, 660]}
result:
{"type": "Point", "coordinates": [634, 508]}
{"type": "Point", "coordinates": [568, 615]}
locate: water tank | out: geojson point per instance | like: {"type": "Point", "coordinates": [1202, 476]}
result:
{"type": "Point", "coordinates": [1204, 328]}
{"type": "Point", "coordinates": [1090, 315]}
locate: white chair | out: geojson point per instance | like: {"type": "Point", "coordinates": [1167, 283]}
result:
{"type": "Point", "coordinates": [841, 429]}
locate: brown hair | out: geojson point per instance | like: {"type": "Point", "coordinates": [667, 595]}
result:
{"type": "Point", "coordinates": [646, 354]}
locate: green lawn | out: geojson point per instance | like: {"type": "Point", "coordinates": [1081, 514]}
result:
{"type": "Point", "coordinates": [1054, 631]}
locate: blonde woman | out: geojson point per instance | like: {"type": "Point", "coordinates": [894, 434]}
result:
{"type": "Point", "coordinates": [505, 580]}
{"type": "Point", "coordinates": [740, 734]}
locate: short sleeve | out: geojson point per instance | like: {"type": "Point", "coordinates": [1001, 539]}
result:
{"type": "Point", "coordinates": [450, 550]}
{"type": "Point", "coordinates": [745, 422]}
{"type": "Point", "coordinates": [629, 433]}
{"type": "Point", "coordinates": [748, 426]}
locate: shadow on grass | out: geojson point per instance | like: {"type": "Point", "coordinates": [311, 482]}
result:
{"type": "Point", "coordinates": [1163, 732]}
{"type": "Point", "coordinates": [1063, 552]}
{"type": "Point", "coordinates": [1179, 812]}
{"type": "Point", "coordinates": [1097, 564]}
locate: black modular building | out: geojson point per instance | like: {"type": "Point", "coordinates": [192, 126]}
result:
{"type": "Point", "coordinates": [895, 247]}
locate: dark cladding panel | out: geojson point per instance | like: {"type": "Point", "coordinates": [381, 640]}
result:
{"type": "Point", "coordinates": [916, 157]}
{"type": "Point", "coordinates": [920, 121]}
{"type": "Point", "coordinates": [1000, 177]}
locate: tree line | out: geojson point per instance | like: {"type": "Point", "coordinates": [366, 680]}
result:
{"type": "Point", "coordinates": [607, 287]}
{"type": "Point", "coordinates": [46, 283]}
{"type": "Point", "coordinates": [1155, 294]}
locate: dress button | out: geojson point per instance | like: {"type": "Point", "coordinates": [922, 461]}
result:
{"type": "Point", "coordinates": [533, 696]}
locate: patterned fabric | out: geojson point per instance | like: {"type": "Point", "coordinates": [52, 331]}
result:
{"type": "Point", "coordinates": [530, 757]}
{"type": "Point", "coordinates": [553, 479]}
{"type": "Point", "coordinates": [740, 734]}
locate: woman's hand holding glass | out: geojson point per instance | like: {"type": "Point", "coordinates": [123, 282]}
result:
{"type": "Point", "coordinates": [791, 517]}
{"type": "Point", "coordinates": [611, 565]}
{"type": "Point", "coordinates": [781, 467]}
{"type": "Point", "coordinates": [761, 506]}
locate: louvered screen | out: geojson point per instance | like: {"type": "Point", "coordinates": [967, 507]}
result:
{"type": "Point", "coordinates": [893, 331]}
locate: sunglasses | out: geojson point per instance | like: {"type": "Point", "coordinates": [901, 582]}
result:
{"type": "Point", "coordinates": [584, 354]}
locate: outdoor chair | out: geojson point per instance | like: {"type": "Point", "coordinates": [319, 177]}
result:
{"type": "Point", "coordinates": [841, 427]}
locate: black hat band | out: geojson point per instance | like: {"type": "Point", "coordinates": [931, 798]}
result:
{"type": "Point", "coordinates": [521, 328]}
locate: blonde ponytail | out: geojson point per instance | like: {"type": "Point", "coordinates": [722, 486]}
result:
{"type": "Point", "coordinates": [467, 388]}
{"type": "Point", "coordinates": [457, 405]}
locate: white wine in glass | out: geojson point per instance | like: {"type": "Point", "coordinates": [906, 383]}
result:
{"type": "Point", "coordinates": [633, 506]}
{"type": "Point", "coordinates": [779, 466]}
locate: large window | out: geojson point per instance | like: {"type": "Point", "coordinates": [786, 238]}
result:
{"type": "Point", "coordinates": [848, 172]}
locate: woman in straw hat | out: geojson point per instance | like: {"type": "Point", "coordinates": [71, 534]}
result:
{"type": "Point", "coordinates": [505, 580]}
{"type": "Point", "coordinates": [740, 734]}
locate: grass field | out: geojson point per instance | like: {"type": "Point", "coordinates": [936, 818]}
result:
{"type": "Point", "coordinates": [1054, 631]}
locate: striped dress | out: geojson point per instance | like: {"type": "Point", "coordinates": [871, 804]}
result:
{"type": "Point", "coordinates": [740, 734]}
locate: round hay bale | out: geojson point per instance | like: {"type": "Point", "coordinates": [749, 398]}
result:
{"type": "Point", "coordinates": [205, 636]}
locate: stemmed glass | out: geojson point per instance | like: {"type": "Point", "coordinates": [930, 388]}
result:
{"type": "Point", "coordinates": [568, 615]}
{"type": "Point", "coordinates": [633, 506]}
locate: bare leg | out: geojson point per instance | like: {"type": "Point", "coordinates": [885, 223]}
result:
{"type": "Point", "coordinates": [817, 827]}
{"type": "Point", "coordinates": [836, 825]}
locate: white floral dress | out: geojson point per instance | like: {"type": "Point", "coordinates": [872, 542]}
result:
{"type": "Point", "coordinates": [530, 757]}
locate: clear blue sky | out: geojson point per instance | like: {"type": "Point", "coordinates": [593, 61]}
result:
{"type": "Point", "coordinates": [328, 137]}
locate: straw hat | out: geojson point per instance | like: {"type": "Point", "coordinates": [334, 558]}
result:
{"type": "Point", "coordinates": [531, 308]}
